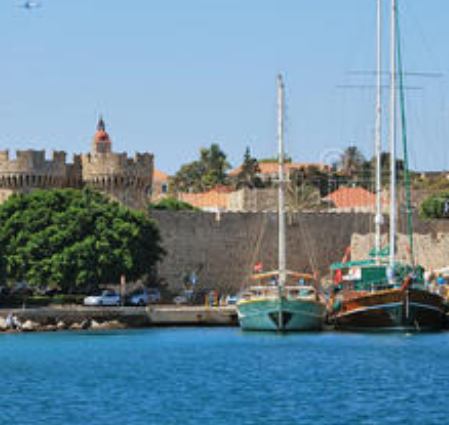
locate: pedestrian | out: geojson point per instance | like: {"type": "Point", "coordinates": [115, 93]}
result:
{"type": "Point", "coordinates": [11, 321]}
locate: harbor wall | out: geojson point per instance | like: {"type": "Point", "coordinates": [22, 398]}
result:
{"type": "Point", "coordinates": [221, 249]}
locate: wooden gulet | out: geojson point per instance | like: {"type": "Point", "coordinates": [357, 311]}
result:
{"type": "Point", "coordinates": [379, 294]}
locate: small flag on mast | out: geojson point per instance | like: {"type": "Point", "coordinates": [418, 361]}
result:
{"type": "Point", "coordinates": [258, 267]}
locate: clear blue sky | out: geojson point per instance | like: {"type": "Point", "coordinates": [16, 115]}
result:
{"type": "Point", "coordinates": [171, 76]}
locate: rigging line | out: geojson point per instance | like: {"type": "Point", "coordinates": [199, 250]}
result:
{"type": "Point", "coordinates": [310, 250]}
{"type": "Point", "coordinates": [404, 143]}
{"type": "Point", "coordinates": [259, 240]}
{"type": "Point", "coordinates": [373, 86]}
{"type": "Point", "coordinates": [405, 74]}
{"type": "Point", "coordinates": [418, 29]}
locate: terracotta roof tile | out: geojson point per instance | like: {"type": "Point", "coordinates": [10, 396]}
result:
{"type": "Point", "coordinates": [268, 168]}
{"type": "Point", "coordinates": [216, 198]}
{"type": "Point", "coordinates": [352, 197]}
{"type": "Point", "coordinates": [160, 176]}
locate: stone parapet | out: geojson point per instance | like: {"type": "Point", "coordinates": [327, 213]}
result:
{"type": "Point", "coordinates": [126, 180]}
{"type": "Point", "coordinates": [30, 169]}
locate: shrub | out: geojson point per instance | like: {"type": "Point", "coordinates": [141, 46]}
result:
{"type": "Point", "coordinates": [436, 206]}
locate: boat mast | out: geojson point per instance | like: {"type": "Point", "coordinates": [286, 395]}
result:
{"type": "Point", "coordinates": [378, 219]}
{"type": "Point", "coordinates": [281, 177]}
{"type": "Point", "coordinates": [393, 135]}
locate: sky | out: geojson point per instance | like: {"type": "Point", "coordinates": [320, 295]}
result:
{"type": "Point", "coordinates": [173, 76]}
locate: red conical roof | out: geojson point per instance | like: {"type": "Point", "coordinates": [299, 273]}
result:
{"type": "Point", "coordinates": [101, 135]}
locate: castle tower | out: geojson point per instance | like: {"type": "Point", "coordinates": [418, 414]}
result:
{"type": "Point", "coordinates": [126, 180]}
{"type": "Point", "coordinates": [101, 143]}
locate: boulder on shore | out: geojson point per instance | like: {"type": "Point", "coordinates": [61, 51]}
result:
{"type": "Point", "coordinates": [29, 326]}
{"type": "Point", "coordinates": [60, 326]}
{"type": "Point", "coordinates": [76, 327]}
{"type": "Point", "coordinates": [112, 324]}
{"type": "Point", "coordinates": [50, 328]}
{"type": "Point", "coordinates": [3, 324]}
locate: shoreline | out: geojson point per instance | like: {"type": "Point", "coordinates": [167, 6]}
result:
{"type": "Point", "coordinates": [51, 319]}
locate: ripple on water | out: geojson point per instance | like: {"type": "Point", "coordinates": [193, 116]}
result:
{"type": "Point", "coordinates": [223, 376]}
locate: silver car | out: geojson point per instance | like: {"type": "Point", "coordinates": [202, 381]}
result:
{"type": "Point", "coordinates": [108, 298]}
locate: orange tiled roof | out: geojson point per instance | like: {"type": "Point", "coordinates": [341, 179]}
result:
{"type": "Point", "coordinates": [216, 198]}
{"type": "Point", "coordinates": [352, 197]}
{"type": "Point", "coordinates": [268, 168]}
{"type": "Point", "coordinates": [159, 176]}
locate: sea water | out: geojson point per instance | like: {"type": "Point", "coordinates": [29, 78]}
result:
{"type": "Point", "coordinates": [223, 376]}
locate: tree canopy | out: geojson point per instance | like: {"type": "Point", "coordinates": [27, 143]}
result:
{"type": "Point", "coordinates": [351, 160]}
{"type": "Point", "coordinates": [172, 204]}
{"type": "Point", "coordinates": [205, 173]}
{"type": "Point", "coordinates": [436, 206]}
{"type": "Point", "coordinates": [75, 240]}
{"type": "Point", "coordinates": [248, 175]}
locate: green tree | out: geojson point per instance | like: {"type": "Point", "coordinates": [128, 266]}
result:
{"type": "Point", "coordinates": [172, 204]}
{"type": "Point", "coordinates": [2, 266]}
{"type": "Point", "coordinates": [203, 174]}
{"type": "Point", "coordinates": [248, 175]}
{"type": "Point", "coordinates": [304, 196]}
{"type": "Point", "coordinates": [351, 160]}
{"type": "Point", "coordinates": [325, 181]}
{"type": "Point", "coordinates": [436, 206]}
{"type": "Point", "coordinates": [75, 240]}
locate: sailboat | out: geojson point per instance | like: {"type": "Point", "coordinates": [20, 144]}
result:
{"type": "Point", "coordinates": [381, 293]}
{"type": "Point", "coordinates": [281, 300]}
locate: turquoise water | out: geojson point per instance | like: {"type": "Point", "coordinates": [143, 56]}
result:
{"type": "Point", "coordinates": [222, 376]}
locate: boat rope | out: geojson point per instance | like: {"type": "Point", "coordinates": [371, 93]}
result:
{"type": "Point", "coordinates": [404, 145]}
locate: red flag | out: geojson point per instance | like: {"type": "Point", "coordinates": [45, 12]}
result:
{"type": "Point", "coordinates": [258, 267]}
{"type": "Point", "coordinates": [338, 277]}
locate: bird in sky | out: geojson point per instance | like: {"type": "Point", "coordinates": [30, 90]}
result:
{"type": "Point", "coordinates": [29, 5]}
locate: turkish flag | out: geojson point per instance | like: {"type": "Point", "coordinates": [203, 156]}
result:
{"type": "Point", "coordinates": [338, 277]}
{"type": "Point", "coordinates": [258, 267]}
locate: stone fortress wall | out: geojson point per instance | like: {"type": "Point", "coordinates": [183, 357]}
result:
{"type": "Point", "coordinates": [221, 249]}
{"type": "Point", "coordinates": [31, 170]}
{"type": "Point", "coordinates": [127, 180]}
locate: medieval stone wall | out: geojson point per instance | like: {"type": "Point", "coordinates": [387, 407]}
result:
{"type": "Point", "coordinates": [127, 180]}
{"type": "Point", "coordinates": [220, 249]}
{"type": "Point", "coordinates": [31, 170]}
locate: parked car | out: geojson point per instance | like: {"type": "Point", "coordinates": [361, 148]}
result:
{"type": "Point", "coordinates": [154, 296]}
{"type": "Point", "coordinates": [184, 297]}
{"type": "Point", "coordinates": [140, 299]}
{"type": "Point", "coordinates": [145, 297]}
{"type": "Point", "coordinates": [108, 298]}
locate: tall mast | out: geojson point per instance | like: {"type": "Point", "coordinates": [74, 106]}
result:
{"type": "Point", "coordinates": [393, 135]}
{"type": "Point", "coordinates": [281, 200]}
{"type": "Point", "coordinates": [378, 220]}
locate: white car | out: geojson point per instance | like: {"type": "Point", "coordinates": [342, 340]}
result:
{"type": "Point", "coordinates": [109, 298]}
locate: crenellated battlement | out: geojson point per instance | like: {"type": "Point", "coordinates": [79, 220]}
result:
{"type": "Point", "coordinates": [117, 164]}
{"type": "Point", "coordinates": [127, 180]}
{"type": "Point", "coordinates": [33, 162]}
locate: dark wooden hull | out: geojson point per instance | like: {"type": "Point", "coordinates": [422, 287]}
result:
{"type": "Point", "coordinates": [391, 310]}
